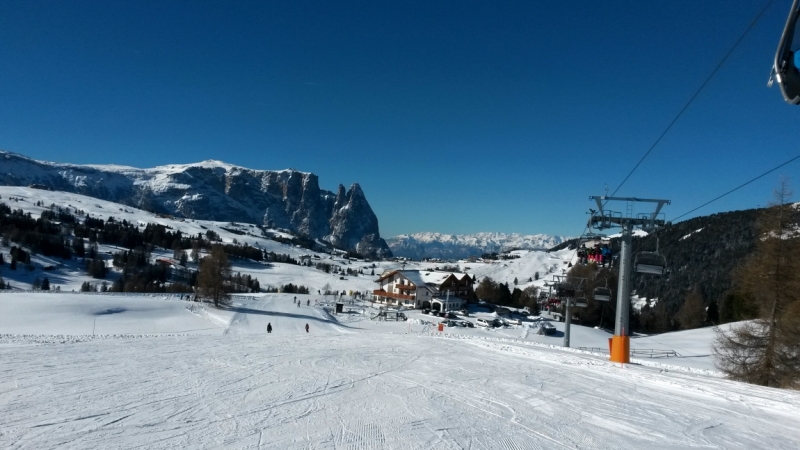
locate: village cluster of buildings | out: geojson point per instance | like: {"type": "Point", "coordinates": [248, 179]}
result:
{"type": "Point", "coordinates": [438, 291]}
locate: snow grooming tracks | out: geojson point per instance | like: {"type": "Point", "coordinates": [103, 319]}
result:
{"type": "Point", "coordinates": [74, 339]}
{"type": "Point", "coordinates": [493, 407]}
{"type": "Point", "coordinates": [665, 367]}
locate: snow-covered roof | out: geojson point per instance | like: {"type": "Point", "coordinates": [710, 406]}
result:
{"type": "Point", "coordinates": [413, 276]}
{"type": "Point", "coordinates": [422, 278]}
{"type": "Point", "coordinates": [437, 278]}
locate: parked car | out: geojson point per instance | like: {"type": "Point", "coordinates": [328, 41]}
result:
{"type": "Point", "coordinates": [481, 322]}
{"type": "Point", "coordinates": [450, 323]}
{"type": "Point", "coordinates": [514, 321]}
{"type": "Point", "coordinates": [464, 312]}
{"type": "Point", "coordinates": [467, 324]}
{"type": "Point", "coordinates": [451, 315]}
{"type": "Point", "coordinates": [497, 323]}
{"type": "Point", "coordinates": [426, 311]}
{"type": "Point", "coordinates": [547, 328]}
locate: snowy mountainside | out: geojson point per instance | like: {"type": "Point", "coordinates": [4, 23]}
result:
{"type": "Point", "coordinates": [214, 190]}
{"type": "Point", "coordinates": [459, 246]}
{"type": "Point", "coordinates": [70, 274]}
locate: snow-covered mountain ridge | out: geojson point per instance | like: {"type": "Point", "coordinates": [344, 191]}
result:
{"type": "Point", "coordinates": [214, 190]}
{"type": "Point", "coordinates": [458, 246]}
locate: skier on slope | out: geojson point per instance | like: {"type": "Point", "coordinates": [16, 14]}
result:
{"type": "Point", "coordinates": [306, 328]}
{"type": "Point", "coordinates": [269, 328]}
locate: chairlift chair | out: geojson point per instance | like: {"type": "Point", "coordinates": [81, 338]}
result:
{"type": "Point", "coordinates": [581, 302]}
{"type": "Point", "coordinates": [565, 290]}
{"type": "Point", "coordinates": [786, 67]}
{"type": "Point", "coordinates": [590, 236]}
{"type": "Point", "coordinates": [602, 294]}
{"type": "Point", "coordinates": [650, 262]}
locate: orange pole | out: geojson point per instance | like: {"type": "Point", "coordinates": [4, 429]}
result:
{"type": "Point", "coordinates": [621, 349]}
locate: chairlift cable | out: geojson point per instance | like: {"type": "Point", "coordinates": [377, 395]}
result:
{"type": "Point", "coordinates": [738, 187]}
{"type": "Point", "coordinates": [702, 86]}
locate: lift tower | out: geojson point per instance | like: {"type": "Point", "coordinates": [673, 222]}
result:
{"type": "Point", "coordinates": [604, 219]}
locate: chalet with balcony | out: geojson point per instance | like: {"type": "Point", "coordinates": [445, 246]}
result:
{"type": "Point", "coordinates": [424, 289]}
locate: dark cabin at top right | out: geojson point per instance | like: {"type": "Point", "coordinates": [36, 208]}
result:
{"type": "Point", "coordinates": [787, 59]}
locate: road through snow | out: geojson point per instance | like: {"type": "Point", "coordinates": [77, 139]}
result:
{"type": "Point", "coordinates": [365, 389]}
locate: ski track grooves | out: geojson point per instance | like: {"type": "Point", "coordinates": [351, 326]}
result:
{"type": "Point", "coordinates": [327, 390]}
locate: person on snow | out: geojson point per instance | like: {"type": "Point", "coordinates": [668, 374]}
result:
{"type": "Point", "coordinates": [269, 328]}
{"type": "Point", "coordinates": [306, 328]}
{"type": "Point", "coordinates": [308, 302]}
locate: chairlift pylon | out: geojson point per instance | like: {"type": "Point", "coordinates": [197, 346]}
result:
{"type": "Point", "coordinates": [786, 67]}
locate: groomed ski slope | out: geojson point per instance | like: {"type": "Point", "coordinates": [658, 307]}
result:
{"type": "Point", "coordinates": [358, 384]}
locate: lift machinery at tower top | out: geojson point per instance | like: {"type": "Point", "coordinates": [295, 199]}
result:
{"type": "Point", "coordinates": [605, 219]}
{"type": "Point", "coordinates": [649, 222]}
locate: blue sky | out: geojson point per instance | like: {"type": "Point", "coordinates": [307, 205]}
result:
{"type": "Point", "coordinates": [454, 116]}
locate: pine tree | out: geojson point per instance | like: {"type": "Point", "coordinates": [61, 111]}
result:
{"type": "Point", "coordinates": [13, 265]}
{"type": "Point", "coordinates": [78, 247]}
{"type": "Point", "coordinates": [692, 312]}
{"type": "Point", "coordinates": [712, 313]}
{"type": "Point", "coordinates": [46, 284]}
{"type": "Point", "coordinates": [764, 351]}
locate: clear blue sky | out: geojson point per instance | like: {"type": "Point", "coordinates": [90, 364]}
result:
{"type": "Point", "coordinates": [455, 117]}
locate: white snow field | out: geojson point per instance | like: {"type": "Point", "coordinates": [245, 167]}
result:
{"type": "Point", "coordinates": [164, 373]}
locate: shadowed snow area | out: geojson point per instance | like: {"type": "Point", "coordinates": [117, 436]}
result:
{"type": "Point", "coordinates": [166, 373]}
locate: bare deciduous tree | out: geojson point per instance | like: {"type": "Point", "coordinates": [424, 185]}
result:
{"type": "Point", "coordinates": [214, 271]}
{"type": "Point", "coordinates": [766, 350]}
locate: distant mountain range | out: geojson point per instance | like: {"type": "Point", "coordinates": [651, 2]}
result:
{"type": "Point", "coordinates": [213, 190]}
{"type": "Point", "coordinates": [459, 246]}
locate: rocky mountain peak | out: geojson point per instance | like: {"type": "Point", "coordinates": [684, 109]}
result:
{"type": "Point", "coordinates": [215, 190]}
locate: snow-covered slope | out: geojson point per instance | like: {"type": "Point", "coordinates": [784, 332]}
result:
{"type": "Point", "coordinates": [358, 384]}
{"type": "Point", "coordinates": [459, 246]}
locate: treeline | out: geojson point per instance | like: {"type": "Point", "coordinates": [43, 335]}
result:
{"type": "Point", "coordinates": [59, 233]}
{"type": "Point", "coordinates": [39, 235]}
{"type": "Point", "coordinates": [333, 268]}
{"type": "Point", "coordinates": [500, 294]}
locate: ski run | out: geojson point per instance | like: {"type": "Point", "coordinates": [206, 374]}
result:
{"type": "Point", "coordinates": [123, 371]}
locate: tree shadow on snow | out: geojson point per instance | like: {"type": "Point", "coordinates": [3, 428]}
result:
{"type": "Point", "coordinates": [239, 309]}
